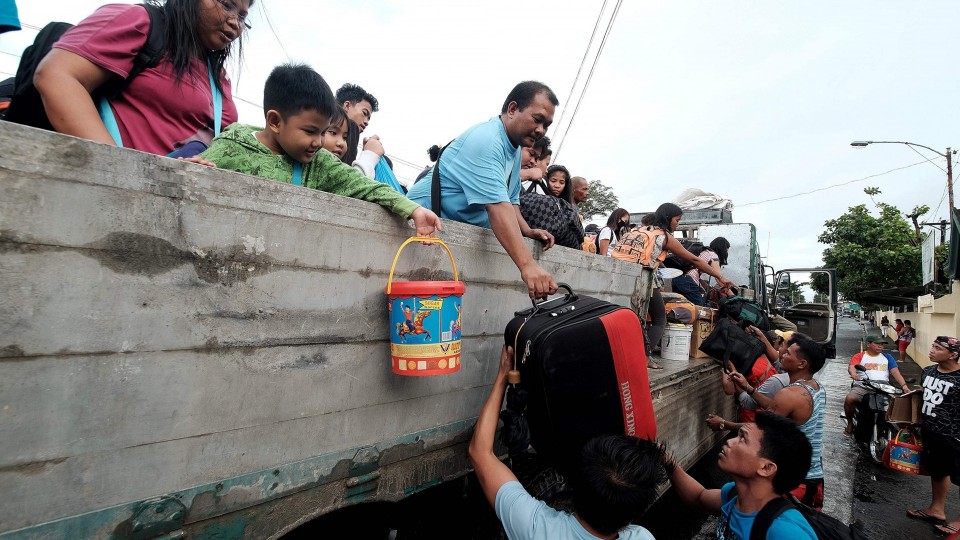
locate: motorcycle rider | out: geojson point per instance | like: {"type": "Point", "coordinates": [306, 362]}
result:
{"type": "Point", "coordinates": [880, 367]}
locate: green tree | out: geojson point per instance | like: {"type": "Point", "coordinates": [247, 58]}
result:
{"type": "Point", "coordinates": [601, 201]}
{"type": "Point", "coordinates": [871, 252]}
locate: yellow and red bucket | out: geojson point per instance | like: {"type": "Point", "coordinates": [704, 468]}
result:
{"type": "Point", "coordinates": [425, 321]}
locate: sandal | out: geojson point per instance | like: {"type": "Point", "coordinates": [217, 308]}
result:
{"type": "Point", "coordinates": [923, 516]}
{"type": "Point", "coordinates": [653, 365]}
{"type": "Point", "coordinates": [946, 529]}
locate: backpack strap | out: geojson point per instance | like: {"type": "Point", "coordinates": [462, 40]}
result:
{"type": "Point", "coordinates": [154, 48]}
{"type": "Point", "coordinates": [109, 121]}
{"type": "Point", "coordinates": [149, 55]}
{"type": "Point", "coordinates": [217, 102]}
{"type": "Point", "coordinates": [767, 515]}
{"type": "Point", "coordinates": [297, 173]}
{"type": "Point", "coordinates": [435, 187]}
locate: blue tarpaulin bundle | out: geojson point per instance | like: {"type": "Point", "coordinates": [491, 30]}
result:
{"type": "Point", "coordinates": [385, 175]}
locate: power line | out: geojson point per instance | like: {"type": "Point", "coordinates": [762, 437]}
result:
{"type": "Point", "coordinates": [266, 17]}
{"type": "Point", "coordinates": [926, 158]}
{"type": "Point", "coordinates": [583, 60]}
{"type": "Point", "coordinates": [405, 162]}
{"type": "Point", "coordinates": [10, 54]}
{"type": "Point", "coordinates": [834, 185]}
{"type": "Point", "coordinates": [940, 204]}
{"type": "Point", "coordinates": [603, 43]}
{"type": "Point", "coordinates": [247, 101]}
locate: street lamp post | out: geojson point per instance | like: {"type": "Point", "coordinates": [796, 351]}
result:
{"type": "Point", "coordinates": [947, 155]}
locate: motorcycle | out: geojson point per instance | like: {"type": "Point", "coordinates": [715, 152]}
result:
{"type": "Point", "coordinates": [871, 430]}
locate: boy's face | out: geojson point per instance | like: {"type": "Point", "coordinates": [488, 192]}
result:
{"type": "Point", "coordinates": [528, 159]}
{"type": "Point", "coordinates": [335, 138]}
{"type": "Point", "coordinates": [544, 162]}
{"type": "Point", "coordinates": [299, 135]}
{"type": "Point", "coordinates": [360, 112]}
{"type": "Point", "coordinates": [740, 455]}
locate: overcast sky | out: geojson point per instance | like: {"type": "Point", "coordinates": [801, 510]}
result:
{"type": "Point", "coordinates": [750, 100]}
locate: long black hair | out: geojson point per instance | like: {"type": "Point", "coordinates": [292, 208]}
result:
{"type": "Point", "coordinates": [721, 246]}
{"type": "Point", "coordinates": [665, 214]}
{"type": "Point", "coordinates": [615, 224]}
{"type": "Point", "coordinates": [182, 42]}
{"type": "Point", "coordinates": [353, 140]}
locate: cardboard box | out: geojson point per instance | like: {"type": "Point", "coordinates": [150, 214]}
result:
{"type": "Point", "coordinates": [702, 328]}
{"type": "Point", "coordinates": [905, 408]}
{"type": "Point", "coordinates": [706, 314]}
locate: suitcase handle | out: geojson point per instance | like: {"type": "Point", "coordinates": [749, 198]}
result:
{"type": "Point", "coordinates": [570, 296]}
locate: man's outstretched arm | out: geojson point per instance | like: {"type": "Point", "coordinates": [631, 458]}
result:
{"type": "Point", "coordinates": [491, 473]}
{"type": "Point", "coordinates": [691, 492]}
{"type": "Point", "coordinates": [503, 220]}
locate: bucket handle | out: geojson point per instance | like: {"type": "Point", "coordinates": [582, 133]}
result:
{"type": "Point", "coordinates": [425, 240]}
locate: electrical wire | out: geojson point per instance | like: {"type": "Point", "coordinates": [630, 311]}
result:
{"type": "Point", "coordinates": [247, 101]}
{"type": "Point", "coordinates": [10, 54]}
{"type": "Point", "coordinates": [833, 186]}
{"type": "Point", "coordinates": [926, 158]}
{"type": "Point", "coordinates": [405, 162]}
{"type": "Point", "coordinates": [583, 61]}
{"type": "Point", "coordinates": [940, 204]}
{"type": "Point", "coordinates": [266, 17]}
{"type": "Point", "coordinates": [586, 85]}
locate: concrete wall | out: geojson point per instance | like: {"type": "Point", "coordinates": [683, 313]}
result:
{"type": "Point", "coordinates": [936, 317]}
{"type": "Point", "coordinates": [173, 329]}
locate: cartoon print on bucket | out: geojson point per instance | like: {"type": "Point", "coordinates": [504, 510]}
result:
{"type": "Point", "coordinates": [425, 323]}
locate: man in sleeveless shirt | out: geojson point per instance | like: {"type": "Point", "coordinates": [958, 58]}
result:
{"type": "Point", "coordinates": [804, 402]}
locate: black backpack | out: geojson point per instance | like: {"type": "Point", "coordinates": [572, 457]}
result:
{"type": "Point", "coordinates": [743, 309]}
{"type": "Point", "coordinates": [26, 105]}
{"type": "Point", "coordinates": [826, 527]}
{"type": "Point", "coordinates": [673, 261]}
{"type": "Point", "coordinates": [731, 344]}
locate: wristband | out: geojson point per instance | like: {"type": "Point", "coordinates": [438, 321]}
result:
{"type": "Point", "coordinates": [723, 425]}
{"type": "Point", "coordinates": [752, 391]}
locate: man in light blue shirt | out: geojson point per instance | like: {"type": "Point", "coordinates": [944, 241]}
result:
{"type": "Point", "coordinates": [480, 178]}
{"type": "Point", "coordinates": [619, 481]}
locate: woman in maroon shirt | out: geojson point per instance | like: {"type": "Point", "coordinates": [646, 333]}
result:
{"type": "Point", "coordinates": [166, 104]}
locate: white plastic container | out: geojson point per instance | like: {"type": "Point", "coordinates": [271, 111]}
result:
{"type": "Point", "coordinates": [675, 344]}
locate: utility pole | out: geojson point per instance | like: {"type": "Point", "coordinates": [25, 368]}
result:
{"type": "Point", "coordinates": [950, 181]}
{"type": "Point", "coordinates": [942, 225]}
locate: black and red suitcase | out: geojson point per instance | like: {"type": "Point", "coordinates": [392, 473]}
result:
{"type": "Point", "coordinates": [583, 364]}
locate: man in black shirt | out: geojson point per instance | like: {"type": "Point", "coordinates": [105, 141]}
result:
{"type": "Point", "coordinates": [940, 428]}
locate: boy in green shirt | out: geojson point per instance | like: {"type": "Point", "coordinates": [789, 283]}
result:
{"type": "Point", "coordinates": [298, 103]}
